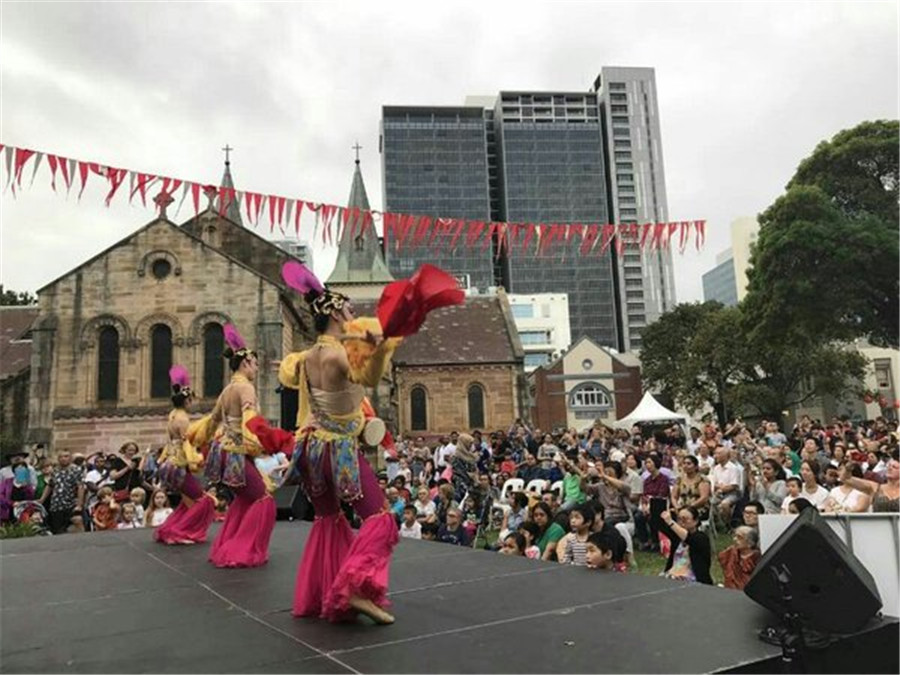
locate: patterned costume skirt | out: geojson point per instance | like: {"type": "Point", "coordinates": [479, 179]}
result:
{"type": "Point", "coordinates": [172, 476]}
{"type": "Point", "coordinates": [340, 442]}
{"type": "Point", "coordinates": [225, 467]}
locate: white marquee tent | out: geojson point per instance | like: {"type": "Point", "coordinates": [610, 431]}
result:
{"type": "Point", "coordinates": [651, 410]}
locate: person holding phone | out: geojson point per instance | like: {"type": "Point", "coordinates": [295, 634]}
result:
{"type": "Point", "coordinates": [653, 501]}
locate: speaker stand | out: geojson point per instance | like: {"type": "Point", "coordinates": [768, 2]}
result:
{"type": "Point", "coordinates": [789, 635]}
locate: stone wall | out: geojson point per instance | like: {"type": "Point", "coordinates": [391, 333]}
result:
{"type": "Point", "coordinates": [87, 435]}
{"type": "Point", "coordinates": [119, 288]}
{"type": "Point", "coordinates": [447, 402]}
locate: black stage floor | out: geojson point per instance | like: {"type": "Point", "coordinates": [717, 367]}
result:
{"type": "Point", "coordinates": [117, 602]}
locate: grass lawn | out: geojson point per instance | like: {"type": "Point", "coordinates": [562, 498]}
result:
{"type": "Point", "coordinates": [651, 564]}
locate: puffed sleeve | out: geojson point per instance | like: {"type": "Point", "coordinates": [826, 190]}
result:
{"type": "Point", "coordinates": [289, 370]}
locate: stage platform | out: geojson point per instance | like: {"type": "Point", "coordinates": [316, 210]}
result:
{"type": "Point", "coordinates": [118, 602]}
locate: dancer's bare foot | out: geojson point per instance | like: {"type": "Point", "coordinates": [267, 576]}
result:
{"type": "Point", "coordinates": [371, 610]}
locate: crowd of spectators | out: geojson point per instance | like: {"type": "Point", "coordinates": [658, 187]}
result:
{"type": "Point", "coordinates": [586, 498]}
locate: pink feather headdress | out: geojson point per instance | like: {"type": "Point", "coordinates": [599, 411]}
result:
{"type": "Point", "coordinates": [181, 380]}
{"type": "Point", "coordinates": [321, 300]}
{"type": "Point", "coordinates": [234, 340]}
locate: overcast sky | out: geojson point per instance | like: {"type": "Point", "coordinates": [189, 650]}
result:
{"type": "Point", "coordinates": [746, 90]}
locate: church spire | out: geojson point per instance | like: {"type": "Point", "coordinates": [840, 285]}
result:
{"type": "Point", "coordinates": [233, 210]}
{"type": "Point", "coordinates": [360, 259]}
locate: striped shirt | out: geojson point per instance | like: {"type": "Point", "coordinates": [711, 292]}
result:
{"type": "Point", "coordinates": [576, 552]}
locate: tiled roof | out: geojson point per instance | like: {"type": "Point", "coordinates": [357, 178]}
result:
{"type": "Point", "coordinates": [15, 353]}
{"type": "Point", "coordinates": [480, 331]}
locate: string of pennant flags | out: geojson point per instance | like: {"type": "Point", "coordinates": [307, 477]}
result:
{"type": "Point", "coordinates": [335, 222]}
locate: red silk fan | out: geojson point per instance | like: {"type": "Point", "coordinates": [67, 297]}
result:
{"type": "Point", "coordinates": [404, 304]}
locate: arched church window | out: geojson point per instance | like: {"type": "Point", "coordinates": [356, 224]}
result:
{"type": "Point", "coordinates": [476, 406]}
{"type": "Point", "coordinates": [108, 365]}
{"type": "Point", "coordinates": [418, 406]}
{"type": "Point", "coordinates": [213, 363]}
{"type": "Point", "coordinates": [160, 360]}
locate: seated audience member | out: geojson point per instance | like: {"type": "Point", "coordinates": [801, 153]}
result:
{"type": "Point", "coordinates": [430, 531]}
{"type": "Point", "coordinates": [604, 553]}
{"type": "Point", "coordinates": [739, 560]}
{"type": "Point", "coordinates": [726, 484]}
{"type": "Point", "coordinates": [410, 528]}
{"type": "Point", "coordinates": [532, 533]}
{"type": "Point", "coordinates": [689, 555]}
{"type": "Point", "coordinates": [570, 550]}
{"type": "Point", "coordinates": [768, 487]}
{"type": "Point", "coordinates": [453, 532]}
{"type": "Point", "coordinates": [794, 486]}
{"type": "Point", "coordinates": [883, 497]}
{"type": "Point", "coordinates": [159, 509]}
{"type": "Point", "coordinates": [516, 515]}
{"type": "Point", "coordinates": [549, 532]}
{"type": "Point", "coordinates": [618, 532]}
{"type": "Point", "coordinates": [691, 488]}
{"type": "Point", "coordinates": [845, 498]}
{"type": "Point", "coordinates": [812, 491]}
{"type": "Point", "coordinates": [751, 513]}
{"type": "Point", "coordinates": [444, 502]}
{"type": "Point", "coordinates": [105, 513]}
{"type": "Point", "coordinates": [128, 518]}
{"type": "Point", "coordinates": [425, 509]}
{"type": "Point", "coordinates": [514, 544]}
{"type": "Point", "coordinates": [531, 470]}
{"type": "Point", "coordinates": [138, 497]}
{"type": "Point", "coordinates": [799, 505]}
{"type": "Point", "coordinates": [575, 472]}
{"type": "Point", "coordinates": [611, 491]}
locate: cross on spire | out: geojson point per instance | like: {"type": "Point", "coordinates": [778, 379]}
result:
{"type": "Point", "coordinates": [162, 201]}
{"type": "Point", "coordinates": [227, 149]}
{"type": "Point", "coordinates": [357, 147]}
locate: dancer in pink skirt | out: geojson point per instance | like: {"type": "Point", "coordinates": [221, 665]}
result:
{"type": "Point", "coordinates": [179, 461]}
{"type": "Point", "coordinates": [341, 575]}
{"type": "Point", "coordinates": [243, 540]}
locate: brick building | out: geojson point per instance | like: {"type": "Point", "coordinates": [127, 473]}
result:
{"type": "Point", "coordinates": [109, 329]}
{"type": "Point", "coordinates": [15, 365]}
{"type": "Point", "coordinates": [463, 370]}
{"type": "Point", "coordinates": [587, 383]}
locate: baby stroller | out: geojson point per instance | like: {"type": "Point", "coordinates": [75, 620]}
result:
{"type": "Point", "coordinates": [32, 513]}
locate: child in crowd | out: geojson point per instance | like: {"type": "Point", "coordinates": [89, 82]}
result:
{"type": "Point", "coordinates": [514, 544]}
{"type": "Point", "coordinates": [572, 549]}
{"type": "Point", "coordinates": [794, 485]}
{"type": "Point", "coordinates": [106, 511]}
{"type": "Point", "coordinates": [601, 553]}
{"type": "Point", "coordinates": [159, 509]}
{"type": "Point", "coordinates": [410, 528]}
{"type": "Point", "coordinates": [128, 519]}
{"type": "Point", "coordinates": [429, 531]}
{"type": "Point", "coordinates": [531, 532]}
{"type": "Point", "coordinates": [138, 496]}
{"type": "Point", "coordinates": [221, 503]}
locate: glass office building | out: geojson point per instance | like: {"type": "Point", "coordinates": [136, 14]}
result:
{"type": "Point", "coordinates": [551, 170]}
{"type": "Point", "coordinates": [434, 163]}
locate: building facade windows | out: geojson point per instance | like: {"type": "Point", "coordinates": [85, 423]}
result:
{"type": "Point", "coordinates": [590, 395]}
{"type": "Point", "coordinates": [160, 360]}
{"type": "Point", "coordinates": [213, 363]}
{"type": "Point", "coordinates": [476, 406]}
{"type": "Point", "coordinates": [108, 365]}
{"type": "Point", "coordinates": [418, 409]}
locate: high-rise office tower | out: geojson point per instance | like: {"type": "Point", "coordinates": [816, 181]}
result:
{"type": "Point", "coordinates": [637, 191]}
{"type": "Point", "coordinates": [543, 157]}
{"type": "Point", "coordinates": [434, 163]}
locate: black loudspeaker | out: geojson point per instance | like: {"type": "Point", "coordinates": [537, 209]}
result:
{"type": "Point", "coordinates": [832, 591]}
{"type": "Point", "coordinates": [291, 503]}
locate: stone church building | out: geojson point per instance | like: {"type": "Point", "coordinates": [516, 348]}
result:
{"type": "Point", "coordinates": [104, 335]}
{"type": "Point", "coordinates": [108, 330]}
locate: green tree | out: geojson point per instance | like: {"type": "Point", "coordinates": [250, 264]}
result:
{"type": "Point", "coordinates": [9, 298]}
{"type": "Point", "coordinates": [827, 262]}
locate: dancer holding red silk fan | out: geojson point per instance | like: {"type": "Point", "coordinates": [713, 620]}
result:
{"type": "Point", "coordinates": [243, 540]}
{"type": "Point", "coordinates": [341, 575]}
{"type": "Point", "coordinates": [189, 522]}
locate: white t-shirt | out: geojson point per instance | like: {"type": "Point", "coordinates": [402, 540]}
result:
{"type": "Point", "coordinates": [426, 510]}
{"type": "Point", "coordinates": [159, 516]}
{"type": "Point", "coordinates": [816, 498]}
{"type": "Point", "coordinates": [414, 532]}
{"type": "Point", "coordinates": [693, 447]}
{"type": "Point", "coordinates": [444, 454]}
{"type": "Point", "coordinates": [725, 475]}
{"type": "Point", "coordinates": [709, 462]}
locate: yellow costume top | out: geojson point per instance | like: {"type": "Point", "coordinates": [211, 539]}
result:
{"type": "Point", "coordinates": [228, 430]}
{"type": "Point", "coordinates": [179, 450]}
